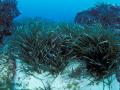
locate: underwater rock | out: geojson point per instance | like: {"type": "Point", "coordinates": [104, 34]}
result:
{"type": "Point", "coordinates": [7, 72]}
{"type": "Point", "coordinates": [106, 14]}
{"type": "Point", "coordinates": [8, 11]}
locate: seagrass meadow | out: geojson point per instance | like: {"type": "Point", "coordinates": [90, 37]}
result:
{"type": "Point", "coordinates": [50, 48]}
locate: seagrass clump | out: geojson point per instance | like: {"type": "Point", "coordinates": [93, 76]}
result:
{"type": "Point", "coordinates": [42, 48]}
{"type": "Point", "coordinates": [99, 50]}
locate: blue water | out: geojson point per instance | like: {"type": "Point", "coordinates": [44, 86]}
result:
{"type": "Point", "coordinates": [60, 10]}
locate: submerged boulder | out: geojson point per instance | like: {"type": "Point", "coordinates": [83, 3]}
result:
{"type": "Point", "coordinates": [8, 12]}
{"type": "Point", "coordinates": [7, 72]}
{"type": "Point", "coordinates": [106, 14]}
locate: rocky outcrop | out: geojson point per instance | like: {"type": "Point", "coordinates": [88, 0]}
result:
{"type": "Point", "coordinates": [106, 14]}
{"type": "Point", "coordinates": [8, 12]}
{"type": "Point", "coordinates": [7, 72]}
